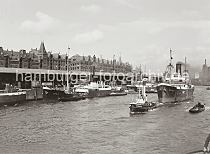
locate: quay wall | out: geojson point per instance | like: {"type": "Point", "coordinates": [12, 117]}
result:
{"type": "Point", "coordinates": [16, 76]}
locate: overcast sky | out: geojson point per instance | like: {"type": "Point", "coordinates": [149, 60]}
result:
{"type": "Point", "coordinates": [141, 31]}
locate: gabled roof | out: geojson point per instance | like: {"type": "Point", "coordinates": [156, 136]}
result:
{"type": "Point", "coordinates": [42, 48]}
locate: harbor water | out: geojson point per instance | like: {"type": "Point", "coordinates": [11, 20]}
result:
{"type": "Point", "coordinates": [103, 126]}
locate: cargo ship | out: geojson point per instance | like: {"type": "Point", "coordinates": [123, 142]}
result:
{"type": "Point", "coordinates": [94, 89]}
{"type": "Point", "coordinates": [177, 86]}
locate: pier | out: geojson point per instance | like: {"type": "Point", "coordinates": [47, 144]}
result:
{"type": "Point", "coordinates": [22, 77]}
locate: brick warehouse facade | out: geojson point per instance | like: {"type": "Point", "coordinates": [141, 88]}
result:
{"type": "Point", "coordinates": [41, 59]}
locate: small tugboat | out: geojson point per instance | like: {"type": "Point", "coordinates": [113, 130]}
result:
{"type": "Point", "coordinates": [197, 108]}
{"type": "Point", "coordinates": [141, 105]}
{"type": "Point", "coordinates": [208, 88]}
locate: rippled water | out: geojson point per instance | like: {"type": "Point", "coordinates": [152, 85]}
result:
{"type": "Point", "coordinates": [103, 126]}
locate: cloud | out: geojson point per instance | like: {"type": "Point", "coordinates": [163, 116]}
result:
{"type": "Point", "coordinates": [126, 3]}
{"type": "Point", "coordinates": [44, 23]}
{"type": "Point", "coordinates": [148, 38]}
{"type": "Point", "coordinates": [89, 37]}
{"type": "Point", "coordinates": [93, 8]}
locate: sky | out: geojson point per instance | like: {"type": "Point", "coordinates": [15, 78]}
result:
{"type": "Point", "coordinates": [140, 31]}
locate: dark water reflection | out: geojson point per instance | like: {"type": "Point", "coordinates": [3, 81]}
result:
{"type": "Point", "coordinates": [103, 125]}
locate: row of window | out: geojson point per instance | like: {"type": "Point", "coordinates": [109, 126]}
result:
{"type": "Point", "coordinates": [58, 65]}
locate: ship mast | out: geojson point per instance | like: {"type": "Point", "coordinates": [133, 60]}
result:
{"type": "Point", "coordinates": [170, 57]}
{"type": "Point", "coordinates": [67, 73]}
{"type": "Point", "coordinates": [113, 71]}
{"type": "Point", "coordinates": [170, 65]}
{"type": "Point", "coordinates": [185, 69]}
{"type": "Point", "coordinates": [140, 73]}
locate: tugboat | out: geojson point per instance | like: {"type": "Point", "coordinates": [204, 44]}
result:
{"type": "Point", "coordinates": [141, 105]}
{"type": "Point", "coordinates": [197, 108]}
{"type": "Point", "coordinates": [208, 88]}
{"type": "Point", "coordinates": [177, 86]}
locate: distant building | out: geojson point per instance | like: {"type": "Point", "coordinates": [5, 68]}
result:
{"type": "Point", "coordinates": [90, 64]}
{"type": "Point", "coordinates": [39, 56]}
{"type": "Point", "coordinates": [41, 59]}
{"type": "Point", "coordinates": [205, 74]}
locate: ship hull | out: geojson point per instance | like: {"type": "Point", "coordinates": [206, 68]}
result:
{"type": "Point", "coordinates": [117, 94]}
{"type": "Point", "coordinates": [71, 97]}
{"type": "Point", "coordinates": [98, 93]}
{"type": "Point", "coordinates": [12, 98]}
{"type": "Point", "coordinates": [171, 94]}
{"type": "Point", "coordinates": [136, 110]}
{"type": "Point", "coordinates": [52, 94]}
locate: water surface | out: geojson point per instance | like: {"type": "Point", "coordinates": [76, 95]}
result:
{"type": "Point", "coordinates": [103, 126]}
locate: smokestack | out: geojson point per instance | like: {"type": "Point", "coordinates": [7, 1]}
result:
{"type": "Point", "coordinates": [179, 68]}
{"type": "Point", "coordinates": [205, 61]}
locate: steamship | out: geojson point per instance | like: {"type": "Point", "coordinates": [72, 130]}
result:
{"type": "Point", "coordinates": [177, 86]}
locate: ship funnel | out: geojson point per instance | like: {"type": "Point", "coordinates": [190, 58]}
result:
{"type": "Point", "coordinates": [179, 68]}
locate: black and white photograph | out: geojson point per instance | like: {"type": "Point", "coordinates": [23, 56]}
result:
{"type": "Point", "coordinates": [104, 76]}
